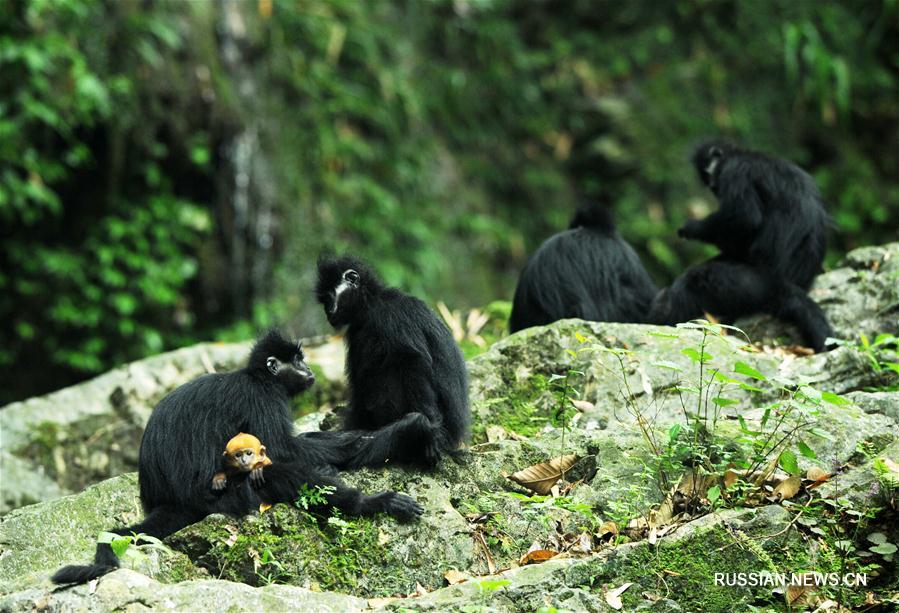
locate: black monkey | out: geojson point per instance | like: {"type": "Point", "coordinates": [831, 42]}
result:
{"type": "Point", "coordinates": [771, 229]}
{"type": "Point", "coordinates": [587, 271]}
{"type": "Point", "coordinates": [408, 381]}
{"type": "Point", "coordinates": [183, 441]}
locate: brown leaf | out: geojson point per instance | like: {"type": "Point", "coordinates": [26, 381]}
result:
{"type": "Point", "coordinates": [787, 488]}
{"type": "Point", "coordinates": [613, 597]}
{"type": "Point", "coordinates": [692, 484]}
{"type": "Point", "coordinates": [794, 593]}
{"type": "Point", "coordinates": [663, 515]}
{"type": "Point", "coordinates": [378, 603]}
{"type": "Point", "coordinates": [730, 477]}
{"type": "Point", "coordinates": [817, 474]}
{"type": "Point", "coordinates": [453, 576]}
{"type": "Point", "coordinates": [608, 529]}
{"type": "Point", "coordinates": [538, 555]}
{"type": "Point", "coordinates": [540, 478]}
{"type": "Point", "coordinates": [583, 405]}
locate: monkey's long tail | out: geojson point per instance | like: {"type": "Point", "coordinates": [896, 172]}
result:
{"type": "Point", "coordinates": [161, 522]}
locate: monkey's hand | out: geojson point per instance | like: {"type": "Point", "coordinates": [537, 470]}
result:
{"type": "Point", "coordinates": [690, 229]}
{"type": "Point", "coordinates": [431, 453]}
{"type": "Point", "coordinates": [402, 507]}
{"type": "Point", "coordinates": [219, 481]}
{"type": "Point", "coordinates": [256, 476]}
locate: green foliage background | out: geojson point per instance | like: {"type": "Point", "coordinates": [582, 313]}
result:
{"type": "Point", "coordinates": [170, 170]}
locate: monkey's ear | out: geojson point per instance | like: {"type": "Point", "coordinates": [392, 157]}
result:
{"type": "Point", "coordinates": [225, 452]}
{"type": "Point", "coordinates": [262, 450]}
{"type": "Point", "coordinates": [272, 364]}
{"type": "Point", "coordinates": [715, 152]}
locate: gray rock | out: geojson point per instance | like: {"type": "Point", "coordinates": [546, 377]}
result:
{"type": "Point", "coordinates": [132, 591]}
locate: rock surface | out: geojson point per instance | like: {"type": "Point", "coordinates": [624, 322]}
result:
{"type": "Point", "coordinates": [632, 386]}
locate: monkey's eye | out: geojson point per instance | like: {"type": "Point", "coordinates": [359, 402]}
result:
{"type": "Point", "coordinates": [272, 365]}
{"type": "Point", "coordinates": [351, 276]}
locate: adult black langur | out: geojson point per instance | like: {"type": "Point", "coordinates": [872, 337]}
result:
{"type": "Point", "coordinates": [407, 377]}
{"type": "Point", "coordinates": [771, 229]}
{"type": "Point", "coordinates": [587, 271]}
{"type": "Point", "coordinates": [182, 444]}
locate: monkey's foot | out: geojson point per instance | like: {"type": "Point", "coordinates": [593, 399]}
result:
{"type": "Point", "coordinates": [404, 508]}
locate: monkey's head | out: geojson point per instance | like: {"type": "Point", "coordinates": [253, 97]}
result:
{"type": "Point", "coordinates": [708, 158]}
{"type": "Point", "coordinates": [276, 357]}
{"type": "Point", "coordinates": [244, 451]}
{"type": "Point", "coordinates": [344, 287]}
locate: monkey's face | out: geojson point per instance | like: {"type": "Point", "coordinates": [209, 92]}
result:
{"type": "Point", "coordinates": [294, 374]}
{"type": "Point", "coordinates": [341, 289]}
{"type": "Point", "coordinates": [707, 160]}
{"type": "Point", "coordinates": [244, 459]}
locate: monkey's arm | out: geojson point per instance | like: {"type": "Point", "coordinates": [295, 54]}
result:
{"type": "Point", "coordinates": [219, 481]}
{"type": "Point", "coordinates": [256, 475]}
{"type": "Point", "coordinates": [737, 219]}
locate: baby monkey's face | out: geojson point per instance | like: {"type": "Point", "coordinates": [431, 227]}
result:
{"type": "Point", "coordinates": [245, 459]}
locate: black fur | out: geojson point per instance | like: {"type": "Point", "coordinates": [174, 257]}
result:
{"type": "Point", "coordinates": [407, 377]}
{"type": "Point", "coordinates": [587, 271]}
{"type": "Point", "coordinates": [771, 229]}
{"type": "Point", "coordinates": [183, 442]}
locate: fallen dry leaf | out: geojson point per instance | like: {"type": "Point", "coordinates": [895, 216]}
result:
{"type": "Point", "coordinates": [536, 556]}
{"type": "Point", "coordinates": [378, 603]}
{"type": "Point", "coordinates": [607, 529]}
{"type": "Point", "coordinates": [730, 477]}
{"type": "Point", "coordinates": [692, 484]}
{"type": "Point", "coordinates": [613, 597]}
{"type": "Point", "coordinates": [799, 594]}
{"type": "Point", "coordinates": [583, 405]}
{"type": "Point", "coordinates": [453, 576]}
{"type": "Point", "coordinates": [817, 475]}
{"type": "Point", "coordinates": [540, 478]}
{"type": "Point", "coordinates": [663, 515]}
{"type": "Point", "coordinates": [787, 488]}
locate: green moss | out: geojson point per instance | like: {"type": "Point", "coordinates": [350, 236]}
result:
{"type": "Point", "coordinates": [684, 570]}
{"type": "Point", "coordinates": [524, 410]}
{"type": "Point", "coordinates": [333, 554]}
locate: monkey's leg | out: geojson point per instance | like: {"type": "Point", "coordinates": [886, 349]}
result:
{"type": "Point", "coordinates": [718, 287]}
{"type": "Point", "coordinates": [796, 307]}
{"type": "Point", "coordinates": [284, 480]}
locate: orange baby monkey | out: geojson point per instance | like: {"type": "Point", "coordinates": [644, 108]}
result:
{"type": "Point", "coordinates": [243, 454]}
